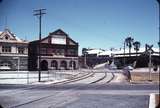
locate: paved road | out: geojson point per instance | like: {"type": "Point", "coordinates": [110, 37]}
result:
{"type": "Point", "coordinates": [77, 96]}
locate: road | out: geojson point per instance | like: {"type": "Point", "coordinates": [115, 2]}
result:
{"type": "Point", "coordinates": [77, 95]}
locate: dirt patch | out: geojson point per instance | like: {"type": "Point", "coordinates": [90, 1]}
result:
{"type": "Point", "coordinates": [144, 76]}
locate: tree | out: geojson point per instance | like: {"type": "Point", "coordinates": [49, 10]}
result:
{"type": "Point", "coordinates": [129, 43]}
{"type": "Point", "coordinates": [84, 51]}
{"type": "Point", "coordinates": [136, 45]}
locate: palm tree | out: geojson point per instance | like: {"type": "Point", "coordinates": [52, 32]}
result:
{"type": "Point", "coordinates": [136, 45]}
{"type": "Point", "coordinates": [129, 42]}
{"type": "Point", "coordinates": [84, 51]}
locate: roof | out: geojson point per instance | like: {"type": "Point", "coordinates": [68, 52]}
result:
{"type": "Point", "coordinates": [58, 32]}
{"type": "Point", "coordinates": [8, 36]}
{"type": "Point", "coordinates": [55, 34]}
{"type": "Point", "coordinates": [100, 52]}
{"type": "Point", "coordinates": [95, 51]}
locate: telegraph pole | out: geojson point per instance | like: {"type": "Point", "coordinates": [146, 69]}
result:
{"type": "Point", "coordinates": [39, 13]}
{"type": "Point", "coordinates": [150, 51]}
{"type": "Point", "coordinates": [124, 55]}
{"type": "Point", "coordinates": [159, 34]}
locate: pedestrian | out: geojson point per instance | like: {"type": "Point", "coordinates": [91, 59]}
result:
{"type": "Point", "coordinates": [127, 73]}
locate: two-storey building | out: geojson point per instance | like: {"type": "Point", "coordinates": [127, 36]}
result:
{"type": "Point", "coordinates": [13, 52]}
{"type": "Point", "coordinates": [57, 51]}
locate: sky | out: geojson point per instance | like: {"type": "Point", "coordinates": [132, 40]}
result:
{"type": "Point", "coordinates": [92, 23]}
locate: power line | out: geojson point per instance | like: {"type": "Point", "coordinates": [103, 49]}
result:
{"type": "Point", "coordinates": [6, 23]}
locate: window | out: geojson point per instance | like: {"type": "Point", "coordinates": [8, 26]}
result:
{"type": "Point", "coordinates": [21, 50]}
{"type": "Point", "coordinates": [59, 51]}
{"type": "Point", "coordinates": [6, 49]}
{"type": "Point", "coordinates": [5, 65]}
{"type": "Point", "coordinates": [43, 50]}
{"type": "Point", "coordinates": [6, 37]}
{"type": "Point", "coordinates": [63, 65]}
{"type": "Point", "coordinates": [54, 63]}
{"type": "Point", "coordinates": [71, 52]}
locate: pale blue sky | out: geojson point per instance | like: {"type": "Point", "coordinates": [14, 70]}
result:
{"type": "Point", "coordinates": [92, 23]}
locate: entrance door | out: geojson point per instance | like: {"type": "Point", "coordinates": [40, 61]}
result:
{"type": "Point", "coordinates": [44, 65]}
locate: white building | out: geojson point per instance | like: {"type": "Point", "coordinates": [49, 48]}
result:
{"type": "Point", "coordinates": [13, 52]}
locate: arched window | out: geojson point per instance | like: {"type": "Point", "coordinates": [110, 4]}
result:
{"type": "Point", "coordinates": [63, 65]}
{"type": "Point", "coordinates": [54, 64]}
{"type": "Point", "coordinates": [44, 65]}
{"type": "Point", "coordinates": [72, 64]}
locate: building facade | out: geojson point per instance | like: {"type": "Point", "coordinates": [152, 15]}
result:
{"type": "Point", "coordinates": [13, 52]}
{"type": "Point", "coordinates": [57, 51]}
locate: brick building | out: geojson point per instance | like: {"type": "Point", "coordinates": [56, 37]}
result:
{"type": "Point", "coordinates": [57, 50]}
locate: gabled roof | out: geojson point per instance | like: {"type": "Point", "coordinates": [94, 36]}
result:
{"type": "Point", "coordinates": [8, 33]}
{"type": "Point", "coordinates": [8, 36]}
{"type": "Point", "coordinates": [58, 32]}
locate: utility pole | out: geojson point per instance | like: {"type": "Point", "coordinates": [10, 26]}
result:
{"type": "Point", "coordinates": [159, 34]}
{"type": "Point", "coordinates": [150, 65]}
{"type": "Point", "coordinates": [150, 51]}
{"type": "Point", "coordinates": [6, 25]}
{"type": "Point", "coordinates": [39, 13]}
{"type": "Point", "coordinates": [124, 55]}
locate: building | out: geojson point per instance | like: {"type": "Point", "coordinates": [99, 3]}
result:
{"type": "Point", "coordinates": [136, 59]}
{"type": "Point", "coordinates": [13, 52]}
{"type": "Point", "coordinates": [90, 57]}
{"type": "Point", "coordinates": [57, 50]}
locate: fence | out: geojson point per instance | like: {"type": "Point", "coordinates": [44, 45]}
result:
{"type": "Point", "coordinates": [30, 77]}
